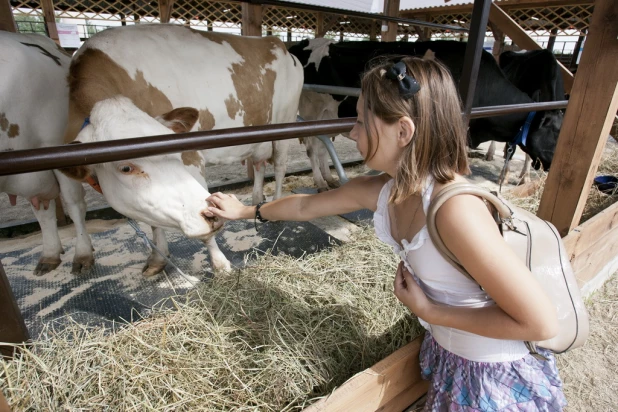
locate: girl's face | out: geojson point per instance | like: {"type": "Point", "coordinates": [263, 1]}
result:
{"type": "Point", "coordinates": [385, 151]}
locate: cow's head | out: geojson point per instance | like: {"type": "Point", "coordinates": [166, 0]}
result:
{"type": "Point", "coordinates": [167, 191]}
{"type": "Point", "coordinates": [543, 138]}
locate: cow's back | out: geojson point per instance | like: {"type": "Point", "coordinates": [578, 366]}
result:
{"type": "Point", "coordinates": [233, 81]}
{"type": "Point", "coordinates": [33, 91]}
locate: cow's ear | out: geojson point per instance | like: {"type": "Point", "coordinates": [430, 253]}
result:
{"type": "Point", "coordinates": [80, 173]}
{"type": "Point", "coordinates": [180, 120]}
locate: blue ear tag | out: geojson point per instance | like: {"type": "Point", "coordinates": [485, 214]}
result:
{"type": "Point", "coordinates": [86, 122]}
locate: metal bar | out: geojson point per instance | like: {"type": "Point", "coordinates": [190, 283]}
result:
{"type": "Point", "coordinates": [472, 60]}
{"type": "Point", "coordinates": [491, 111]}
{"type": "Point", "coordinates": [34, 160]}
{"type": "Point", "coordinates": [343, 91]}
{"type": "Point", "coordinates": [12, 326]}
{"type": "Point", "coordinates": [22, 161]}
{"type": "Point", "coordinates": [352, 13]}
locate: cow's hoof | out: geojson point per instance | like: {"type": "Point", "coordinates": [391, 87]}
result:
{"type": "Point", "coordinates": [334, 184]}
{"type": "Point", "coordinates": [82, 264]}
{"type": "Point", "coordinates": [46, 265]}
{"type": "Point", "coordinates": [222, 266]}
{"type": "Point", "coordinates": [489, 158]}
{"type": "Point", "coordinates": [153, 268]}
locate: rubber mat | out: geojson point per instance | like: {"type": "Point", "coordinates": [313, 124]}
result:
{"type": "Point", "coordinates": [115, 290]}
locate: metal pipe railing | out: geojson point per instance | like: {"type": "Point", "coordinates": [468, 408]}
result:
{"type": "Point", "coordinates": [34, 160]}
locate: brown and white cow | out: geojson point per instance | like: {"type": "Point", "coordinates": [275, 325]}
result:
{"type": "Point", "coordinates": [153, 79]}
{"type": "Point", "coordinates": [33, 114]}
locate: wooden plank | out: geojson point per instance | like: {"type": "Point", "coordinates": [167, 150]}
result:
{"type": "Point", "coordinates": [251, 19]}
{"type": "Point", "coordinates": [590, 262]}
{"type": "Point", "coordinates": [7, 21]}
{"type": "Point", "coordinates": [12, 326]}
{"type": "Point", "coordinates": [588, 119]}
{"type": "Point", "coordinates": [498, 48]}
{"type": "Point", "coordinates": [391, 8]}
{"type": "Point", "coordinates": [390, 385]}
{"type": "Point", "coordinates": [584, 236]}
{"type": "Point", "coordinates": [504, 22]}
{"type": "Point", "coordinates": [50, 19]}
{"type": "Point", "coordinates": [165, 10]}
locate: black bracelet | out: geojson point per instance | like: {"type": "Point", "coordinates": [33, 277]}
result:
{"type": "Point", "coordinates": [258, 215]}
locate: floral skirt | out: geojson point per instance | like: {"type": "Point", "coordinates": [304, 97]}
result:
{"type": "Point", "coordinates": [459, 384]}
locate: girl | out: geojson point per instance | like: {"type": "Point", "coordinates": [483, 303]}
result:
{"type": "Point", "coordinates": [410, 127]}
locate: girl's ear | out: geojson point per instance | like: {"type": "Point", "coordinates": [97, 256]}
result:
{"type": "Point", "coordinates": [406, 131]}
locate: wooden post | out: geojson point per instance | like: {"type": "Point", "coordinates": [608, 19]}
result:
{"type": "Point", "coordinates": [391, 8]}
{"type": "Point", "coordinates": [7, 21]}
{"type": "Point", "coordinates": [588, 119]}
{"type": "Point", "coordinates": [12, 326]}
{"type": "Point", "coordinates": [50, 19]}
{"type": "Point", "coordinates": [552, 40]}
{"type": "Point", "coordinates": [251, 19]}
{"type": "Point", "coordinates": [509, 27]}
{"type": "Point", "coordinates": [427, 30]}
{"type": "Point", "coordinates": [123, 19]}
{"type": "Point", "coordinates": [319, 26]}
{"type": "Point", "coordinates": [373, 32]}
{"type": "Point", "coordinates": [165, 10]}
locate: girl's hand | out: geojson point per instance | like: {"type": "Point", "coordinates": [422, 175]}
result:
{"type": "Point", "coordinates": [411, 294]}
{"type": "Point", "coordinates": [228, 207]}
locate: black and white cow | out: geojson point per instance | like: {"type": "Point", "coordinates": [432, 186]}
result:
{"type": "Point", "coordinates": [536, 73]}
{"type": "Point", "coordinates": [341, 64]}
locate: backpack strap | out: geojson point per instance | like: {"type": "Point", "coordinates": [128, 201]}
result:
{"type": "Point", "coordinates": [504, 214]}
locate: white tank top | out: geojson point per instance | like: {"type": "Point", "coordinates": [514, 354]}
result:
{"type": "Point", "coordinates": [444, 284]}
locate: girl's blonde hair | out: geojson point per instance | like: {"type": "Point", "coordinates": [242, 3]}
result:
{"type": "Point", "coordinates": [439, 144]}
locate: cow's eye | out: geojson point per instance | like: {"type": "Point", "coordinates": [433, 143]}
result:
{"type": "Point", "coordinates": [126, 169]}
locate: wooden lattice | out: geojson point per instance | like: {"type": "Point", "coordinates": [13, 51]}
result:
{"type": "Point", "coordinates": [108, 10]}
{"type": "Point", "coordinates": [299, 23]}
{"type": "Point", "coordinates": [28, 16]}
{"type": "Point", "coordinates": [561, 20]}
{"type": "Point", "coordinates": [206, 14]}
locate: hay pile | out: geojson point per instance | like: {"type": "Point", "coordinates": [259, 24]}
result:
{"type": "Point", "coordinates": [273, 336]}
{"type": "Point", "coordinates": [589, 372]}
{"type": "Point", "coordinates": [596, 202]}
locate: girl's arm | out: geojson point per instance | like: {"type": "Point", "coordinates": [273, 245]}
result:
{"type": "Point", "coordinates": [359, 193]}
{"type": "Point", "coordinates": [522, 312]}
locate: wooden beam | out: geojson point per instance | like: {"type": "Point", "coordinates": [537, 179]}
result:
{"type": "Point", "coordinates": [328, 22]}
{"type": "Point", "coordinates": [594, 244]}
{"type": "Point", "coordinates": [165, 10]}
{"type": "Point", "coordinates": [504, 22]}
{"type": "Point", "coordinates": [50, 19]}
{"type": "Point", "coordinates": [498, 48]}
{"type": "Point", "coordinates": [319, 31]}
{"type": "Point", "coordinates": [505, 5]}
{"type": "Point", "coordinates": [12, 326]}
{"type": "Point", "coordinates": [7, 21]}
{"type": "Point", "coordinates": [587, 122]}
{"type": "Point", "coordinates": [391, 8]}
{"type": "Point", "coordinates": [251, 19]}
{"type": "Point", "coordinates": [392, 384]}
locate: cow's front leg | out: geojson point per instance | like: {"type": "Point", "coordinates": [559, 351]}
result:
{"type": "Point", "coordinates": [280, 155]}
{"type": "Point", "coordinates": [217, 259]}
{"type": "Point", "coordinates": [156, 263]}
{"type": "Point", "coordinates": [72, 193]}
{"type": "Point", "coordinates": [259, 170]}
{"type": "Point", "coordinates": [524, 176]}
{"type": "Point", "coordinates": [312, 145]}
{"type": "Point", "coordinates": [324, 157]}
{"type": "Point", "coordinates": [52, 248]}
{"type": "Point", "coordinates": [491, 151]}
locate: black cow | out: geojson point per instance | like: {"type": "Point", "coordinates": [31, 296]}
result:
{"type": "Point", "coordinates": [341, 64]}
